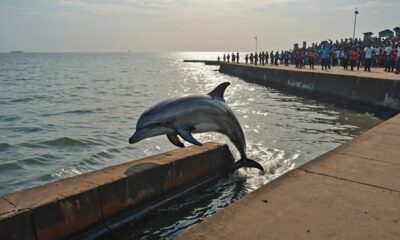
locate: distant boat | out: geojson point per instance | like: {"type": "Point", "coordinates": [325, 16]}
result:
{"type": "Point", "coordinates": [18, 51]}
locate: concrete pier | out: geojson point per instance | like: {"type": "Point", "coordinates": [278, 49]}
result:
{"type": "Point", "coordinates": [377, 93]}
{"type": "Point", "coordinates": [351, 192]}
{"type": "Point", "coordinates": [97, 199]}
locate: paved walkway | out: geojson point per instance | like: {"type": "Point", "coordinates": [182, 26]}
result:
{"type": "Point", "coordinates": [352, 192]}
{"type": "Point", "coordinates": [375, 72]}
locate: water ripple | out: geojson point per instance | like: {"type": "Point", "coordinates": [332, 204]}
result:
{"type": "Point", "coordinates": [64, 142]}
{"type": "Point", "coordinates": [4, 147]}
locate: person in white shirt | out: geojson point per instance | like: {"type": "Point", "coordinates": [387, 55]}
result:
{"type": "Point", "coordinates": [377, 50]}
{"type": "Point", "coordinates": [368, 58]}
{"type": "Point", "coordinates": [338, 57]}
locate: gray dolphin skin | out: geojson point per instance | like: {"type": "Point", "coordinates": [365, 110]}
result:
{"type": "Point", "coordinates": [194, 114]}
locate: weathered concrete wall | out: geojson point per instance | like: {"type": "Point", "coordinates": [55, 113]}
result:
{"type": "Point", "coordinates": [372, 94]}
{"type": "Point", "coordinates": [69, 206]}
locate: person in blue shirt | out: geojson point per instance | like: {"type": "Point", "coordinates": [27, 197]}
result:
{"type": "Point", "coordinates": [324, 55]}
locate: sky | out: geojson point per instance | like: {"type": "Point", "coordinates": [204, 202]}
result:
{"type": "Point", "coordinates": [185, 25]}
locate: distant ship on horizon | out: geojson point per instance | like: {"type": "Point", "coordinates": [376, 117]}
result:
{"type": "Point", "coordinates": [17, 51]}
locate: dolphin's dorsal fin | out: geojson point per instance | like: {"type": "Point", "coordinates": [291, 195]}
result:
{"type": "Point", "coordinates": [218, 92]}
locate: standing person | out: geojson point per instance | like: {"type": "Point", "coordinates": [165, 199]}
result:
{"type": "Point", "coordinates": [276, 58]}
{"type": "Point", "coordinates": [266, 57]}
{"type": "Point", "coordinates": [312, 58]}
{"type": "Point", "coordinates": [338, 57]}
{"type": "Point", "coordinates": [302, 59]}
{"type": "Point", "coordinates": [255, 58]}
{"type": "Point", "coordinates": [393, 56]}
{"type": "Point", "coordinates": [377, 55]}
{"type": "Point", "coordinates": [237, 57]}
{"type": "Point", "coordinates": [228, 56]}
{"type": "Point", "coordinates": [368, 57]}
{"type": "Point", "coordinates": [345, 59]}
{"type": "Point", "coordinates": [353, 59]}
{"type": "Point", "coordinates": [224, 57]}
{"type": "Point", "coordinates": [272, 57]}
{"type": "Point", "coordinates": [251, 58]}
{"type": "Point", "coordinates": [388, 51]}
{"type": "Point", "coordinates": [383, 60]}
{"type": "Point", "coordinates": [233, 58]}
{"type": "Point", "coordinates": [296, 58]}
{"type": "Point", "coordinates": [262, 58]}
{"type": "Point", "coordinates": [324, 55]}
{"type": "Point", "coordinates": [218, 58]}
{"type": "Point", "coordinates": [246, 58]}
{"type": "Point", "coordinates": [333, 53]}
{"type": "Point", "coordinates": [398, 60]}
{"type": "Point", "coordinates": [360, 53]}
{"type": "Point", "coordinates": [286, 58]}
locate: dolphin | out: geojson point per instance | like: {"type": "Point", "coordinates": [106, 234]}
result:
{"type": "Point", "coordinates": [194, 114]}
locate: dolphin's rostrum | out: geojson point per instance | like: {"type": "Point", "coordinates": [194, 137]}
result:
{"type": "Point", "coordinates": [194, 114]}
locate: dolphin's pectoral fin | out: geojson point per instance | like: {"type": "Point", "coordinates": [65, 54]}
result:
{"type": "Point", "coordinates": [173, 138]}
{"type": "Point", "coordinates": [187, 136]}
{"type": "Point", "coordinates": [218, 92]}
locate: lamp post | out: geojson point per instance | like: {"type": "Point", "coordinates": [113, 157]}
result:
{"type": "Point", "coordinates": [355, 21]}
{"type": "Point", "coordinates": [256, 43]}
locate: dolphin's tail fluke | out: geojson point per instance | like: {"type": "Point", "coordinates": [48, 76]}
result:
{"type": "Point", "coordinates": [245, 162]}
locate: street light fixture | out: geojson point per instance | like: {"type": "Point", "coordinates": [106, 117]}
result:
{"type": "Point", "coordinates": [355, 20]}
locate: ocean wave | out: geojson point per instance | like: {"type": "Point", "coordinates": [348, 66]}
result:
{"type": "Point", "coordinates": [77, 111]}
{"type": "Point", "coordinates": [104, 154]}
{"type": "Point", "coordinates": [9, 166]}
{"type": "Point", "coordinates": [21, 100]}
{"type": "Point", "coordinates": [82, 111]}
{"type": "Point", "coordinates": [64, 142]}
{"type": "Point", "coordinates": [27, 163]}
{"type": "Point", "coordinates": [4, 147]}
{"type": "Point", "coordinates": [10, 118]}
{"type": "Point", "coordinates": [28, 129]}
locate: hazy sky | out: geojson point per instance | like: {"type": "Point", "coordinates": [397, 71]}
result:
{"type": "Point", "coordinates": [185, 25]}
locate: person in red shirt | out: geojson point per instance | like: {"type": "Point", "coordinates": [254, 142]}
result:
{"type": "Point", "coordinates": [353, 59]}
{"type": "Point", "coordinates": [312, 58]}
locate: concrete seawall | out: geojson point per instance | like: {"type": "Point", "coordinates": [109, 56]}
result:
{"type": "Point", "coordinates": [67, 207]}
{"type": "Point", "coordinates": [380, 96]}
{"type": "Point", "coordinates": [351, 192]}
{"type": "Point", "coordinates": [206, 62]}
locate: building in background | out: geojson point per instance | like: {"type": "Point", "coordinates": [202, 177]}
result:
{"type": "Point", "coordinates": [386, 33]}
{"type": "Point", "coordinates": [397, 32]}
{"type": "Point", "coordinates": [368, 36]}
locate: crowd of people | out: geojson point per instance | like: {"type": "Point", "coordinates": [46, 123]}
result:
{"type": "Point", "coordinates": [351, 54]}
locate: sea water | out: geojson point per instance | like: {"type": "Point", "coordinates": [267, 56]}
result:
{"type": "Point", "coordinates": [63, 114]}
